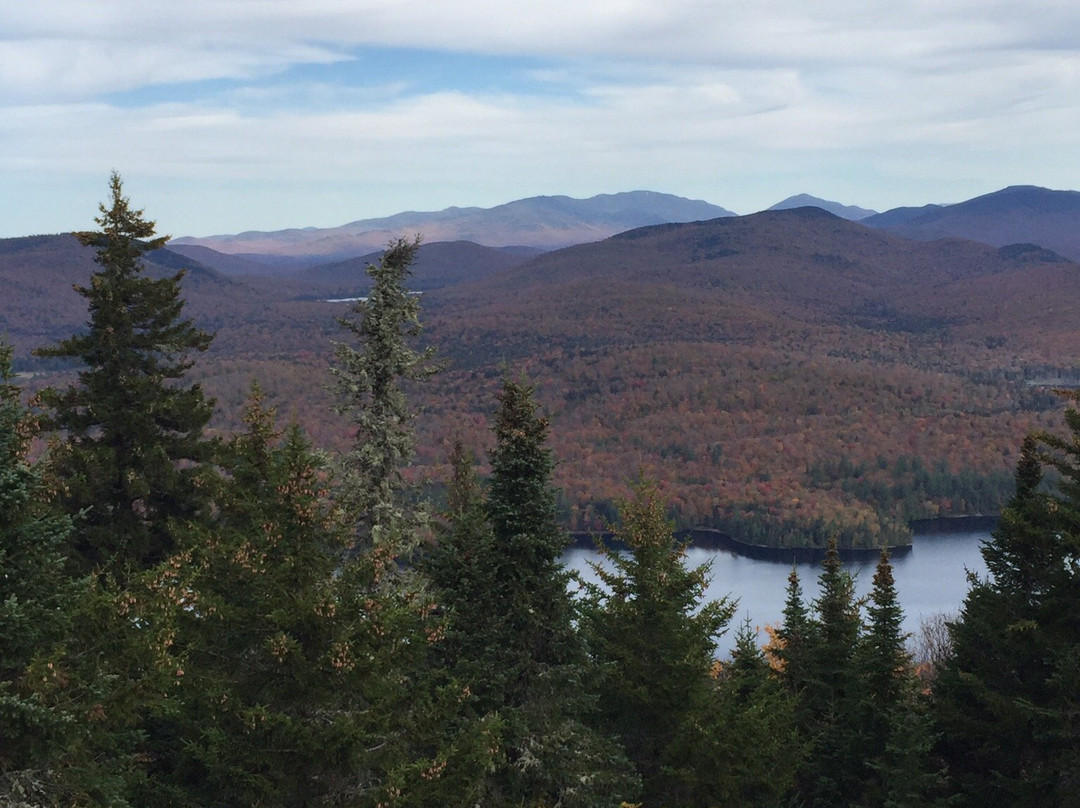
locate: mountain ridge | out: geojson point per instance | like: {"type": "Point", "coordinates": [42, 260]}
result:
{"type": "Point", "coordinates": [777, 372]}
{"type": "Point", "coordinates": [851, 212]}
{"type": "Point", "coordinates": [546, 222]}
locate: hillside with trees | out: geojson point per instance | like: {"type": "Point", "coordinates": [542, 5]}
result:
{"type": "Point", "coordinates": [786, 376]}
{"type": "Point", "coordinates": [193, 619]}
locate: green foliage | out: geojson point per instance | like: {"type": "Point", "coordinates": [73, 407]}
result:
{"type": "Point", "coordinates": [654, 642]}
{"type": "Point", "coordinates": [260, 633]}
{"type": "Point", "coordinates": [510, 637]}
{"type": "Point", "coordinates": [131, 460]}
{"type": "Point", "coordinates": [866, 735]}
{"type": "Point", "coordinates": [834, 768]}
{"type": "Point", "coordinates": [1006, 701]}
{"type": "Point", "coordinates": [751, 742]}
{"type": "Point", "coordinates": [36, 598]}
{"type": "Point", "coordinates": [797, 635]}
{"type": "Point", "coordinates": [896, 735]}
{"type": "Point", "coordinates": [302, 671]}
{"type": "Point", "coordinates": [369, 383]}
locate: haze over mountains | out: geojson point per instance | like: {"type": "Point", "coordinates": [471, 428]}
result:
{"type": "Point", "coordinates": [544, 222]}
{"type": "Point", "coordinates": [851, 212]}
{"type": "Point", "coordinates": [786, 368]}
{"type": "Point", "coordinates": [1021, 214]}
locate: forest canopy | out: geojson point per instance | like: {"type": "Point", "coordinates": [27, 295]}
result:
{"type": "Point", "coordinates": [191, 618]}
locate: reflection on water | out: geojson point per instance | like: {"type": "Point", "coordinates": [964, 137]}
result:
{"type": "Point", "coordinates": [931, 579]}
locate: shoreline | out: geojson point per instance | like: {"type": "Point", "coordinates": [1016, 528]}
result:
{"type": "Point", "coordinates": [711, 538]}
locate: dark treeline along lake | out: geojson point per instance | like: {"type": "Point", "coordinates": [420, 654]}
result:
{"type": "Point", "coordinates": [930, 580]}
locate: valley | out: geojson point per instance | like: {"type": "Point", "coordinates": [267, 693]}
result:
{"type": "Point", "coordinates": [786, 376]}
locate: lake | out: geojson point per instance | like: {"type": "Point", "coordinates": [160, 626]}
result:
{"type": "Point", "coordinates": [930, 580]}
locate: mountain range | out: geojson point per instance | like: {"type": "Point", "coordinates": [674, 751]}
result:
{"type": "Point", "coordinates": [785, 374]}
{"type": "Point", "coordinates": [543, 222]}
{"type": "Point", "coordinates": [1020, 214]}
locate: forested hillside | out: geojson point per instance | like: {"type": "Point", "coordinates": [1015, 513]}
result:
{"type": "Point", "coordinates": [199, 619]}
{"type": "Point", "coordinates": [787, 376]}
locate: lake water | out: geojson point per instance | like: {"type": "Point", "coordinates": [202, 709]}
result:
{"type": "Point", "coordinates": [930, 580]}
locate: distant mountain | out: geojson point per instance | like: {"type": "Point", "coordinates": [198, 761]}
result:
{"type": "Point", "coordinates": [228, 264]}
{"type": "Point", "coordinates": [850, 212]}
{"type": "Point", "coordinates": [438, 265]}
{"type": "Point", "coordinates": [544, 222]}
{"type": "Point", "coordinates": [40, 306]}
{"type": "Point", "coordinates": [1018, 214]}
{"type": "Point", "coordinates": [784, 375]}
{"type": "Point", "coordinates": [802, 264]}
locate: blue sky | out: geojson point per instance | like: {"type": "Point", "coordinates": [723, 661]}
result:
{"type": "Point", "coordinates": [231, 115]}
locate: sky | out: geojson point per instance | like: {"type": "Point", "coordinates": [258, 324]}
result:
{"type": "Point", "coordinates": [231, 115]}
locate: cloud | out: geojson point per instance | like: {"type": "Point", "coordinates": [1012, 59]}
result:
{"type": "Point", "coordinates": [478, 101]}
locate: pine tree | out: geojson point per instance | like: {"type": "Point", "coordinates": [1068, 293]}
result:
{"type": "Point", "coordinates": [370, 385]}
{"type": "Point", "coordinates": [827, 686]}
{"type": "Point", "coordinates": [257, 635]}
{"type": "Point", "coordinates": [1006, 702]}
{"type": "Point", "coordinates": [133, 448]}
{"type": "Point", "coordinates": [80, 659]}
{"type": "Point", "coordinates": [529, 598]}
{"type": "Point", "coordinates": [655, 642]}
{"type": "Point", "coordinates": [795, 636]}
{"type": "Point", "coordinates": [884, 663]}
{"type": "Point", "coordinates": [461, 567]}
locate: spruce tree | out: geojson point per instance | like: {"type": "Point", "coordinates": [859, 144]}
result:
{"type": "Point", "coordinates": [36, 603]}
{"type": "Point", "coordinates": [529, 596]}
{"type": "Point", "coordinates": [836, 763]}
{"type": "Point", "coordinates": [370, 382]}
{"type": "Point", "coordinates": [654, 641]}
{"type": "Point", "coordinates": [825, 680]}
{"type": "Point", "coordinates": [305, 680]}
{"type": "Point", "coordinates": [752, 742]}
{"type": "Point", "coordinates": [896, 737]}
{"type": "Point", "coordinates": [81, 660]}
{"type": "Point", "coordinates": [884, 663]}
{"type": "Point", "coordinates": [132, 452]}
{"type": "Point", "coordinates": [461, 567]}
{"type": "Point", "coordinates": [1006, 702]}
{"type": "Point", "coordinates": [795, 636]}
{"type": "Point", "coordinates": [257, 637]}
{"type": "Point", "coordinates": [510, 635]}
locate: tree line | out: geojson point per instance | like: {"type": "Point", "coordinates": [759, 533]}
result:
{"type": "Point", "coordinates": [195, 621]}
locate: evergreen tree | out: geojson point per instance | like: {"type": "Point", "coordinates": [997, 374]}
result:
{"type": "Point", "coordinates": [529, 586]}
{"type": "Point", "coordinates": [305, 681]}
{"type": "Point", "coordinates": [752, 742]}
{"type": "Point", "coordinates": [461, 567]}
{"type": "Point", "coordinates": [795, 636]}
{"type": "Point", "coordinates": [655, 644]}
{"type": "Point", "coordinates": [824, 678]}
{"type": "Point", "coordinates": [36, 603]}
{"type": "Point", "coordinates": [836, 763]}
{"type": "Point", "coordinates": [884, 663]}
{"type": "Point", "coordinates": [1006, 702]}
{"type": "Point", "coordinates": [133, 449]}
{"type": "Point", "coordinates": [510, 636]}
{"type": "Point", "coordinates": [80, 660]}
{"type": "Point", "coordinates": [370, 379]}
{"type": "Point", "coordinates": [896, 736]}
